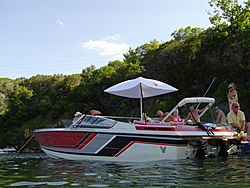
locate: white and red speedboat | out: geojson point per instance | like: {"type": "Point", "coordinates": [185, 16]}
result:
{"type": "Point", "coordinates": [107, 139]}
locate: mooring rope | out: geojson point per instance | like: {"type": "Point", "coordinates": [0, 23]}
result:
{"type": "Point", "coordinates": [23, 146]}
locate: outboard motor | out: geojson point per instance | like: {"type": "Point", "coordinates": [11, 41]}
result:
{"type": "Point", "coordinates": [223, 149]}
{"type": "Point", "coordinates": [200, 152]}
{"type": "Point", "coordinates": [196, 149]}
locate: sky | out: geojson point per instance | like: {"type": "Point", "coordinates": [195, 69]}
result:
{"type": "Point", "coordinates": [65, 36]}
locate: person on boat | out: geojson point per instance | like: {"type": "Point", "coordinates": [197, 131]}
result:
{"type": "Point", "coordinates": [146, 118]}
{"type": "Point", "coordinates": [94, 113]}
{"type": "Point", "coordinates": [194, 114]}
{"type": "Point", "coordinates": [236, 118]}
{"type": "Point", "coordinates": [76, 116]}
{"type": "Point", "coordinates": [232, 95]}
{"type": "Point", "coordinates": [177, 117]}
{"type": "Point", "coordinates": [221, 117]}
{"type": "Point", "coordinates": [163, 115]}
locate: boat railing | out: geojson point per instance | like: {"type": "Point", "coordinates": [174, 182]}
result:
{"type": "Point", "coordinates": [192, 100]}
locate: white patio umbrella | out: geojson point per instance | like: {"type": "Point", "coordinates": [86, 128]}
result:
{"type": "Point", "coordinates": [140, 88]}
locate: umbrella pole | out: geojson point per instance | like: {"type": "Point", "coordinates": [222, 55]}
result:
{"type": "Point", "coordinates": [141, 107]}
{"type": "Point", "coordinates": [141, 100]}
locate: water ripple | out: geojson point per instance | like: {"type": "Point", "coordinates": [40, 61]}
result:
{"type": "Point", "coordinates": [37, 170]}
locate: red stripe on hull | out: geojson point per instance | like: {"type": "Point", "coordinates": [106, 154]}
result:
{"type": "Point", "coordinates": [90, 138]}
{"type": "Point", "coordinates": [60, 138]}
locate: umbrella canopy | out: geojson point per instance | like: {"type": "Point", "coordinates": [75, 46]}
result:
{"type": "Point", "coordinates": [140, 88]}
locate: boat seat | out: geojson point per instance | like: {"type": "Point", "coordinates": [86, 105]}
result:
{"type": "Point", "coordinates": [149, 123]}
{"type": "Point", "coordinates": [66, 122]}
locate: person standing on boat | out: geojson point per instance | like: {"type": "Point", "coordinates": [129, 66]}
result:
{"type": "Point", "coordinates": [163, 115]}
{"type": "Point", "coordinates": [194, 114]}
{"type": "Point", "coordinates": [77, 115]}
{"type": "Point", "coordinates": [221, 117]}
{"type": "Point", "coordinates": [232, 95]}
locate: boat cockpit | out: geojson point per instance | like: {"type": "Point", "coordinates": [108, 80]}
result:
{"type": "Point", "coordinates": [89, 121]}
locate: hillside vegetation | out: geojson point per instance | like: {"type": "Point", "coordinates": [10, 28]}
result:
{"type": "Point", "coordinates": [189, 62]}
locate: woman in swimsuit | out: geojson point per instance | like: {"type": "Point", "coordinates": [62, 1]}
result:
{"type": "Point", "coordinates": [221, 118]}
{"type": "Point", "coordinates": [176, 116]}
{"type": "Point", "coordinates": [232, 95]}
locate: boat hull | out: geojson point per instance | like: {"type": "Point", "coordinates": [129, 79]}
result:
{"type": "Point", "coordinates": [142, 145]}
{"type": "Point", "coordinates": [106, 139]}
{"type": "Point", "coordinates": [136, 153]}
{"type": "Point", "coordinates": [79, 145]}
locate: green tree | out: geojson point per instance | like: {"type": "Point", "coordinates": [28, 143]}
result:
{"type": "Point", "coordinates": [6, 88]}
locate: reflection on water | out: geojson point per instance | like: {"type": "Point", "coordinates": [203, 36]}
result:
{"type": "Point", "coordinates": [38, 170]}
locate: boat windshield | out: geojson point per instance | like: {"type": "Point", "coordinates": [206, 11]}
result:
{"type": "Point", "coordinates": [89, 121]}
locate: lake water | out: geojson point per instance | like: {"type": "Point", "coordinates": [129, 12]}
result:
{"type": "Point", "coordinates": [38, 170]}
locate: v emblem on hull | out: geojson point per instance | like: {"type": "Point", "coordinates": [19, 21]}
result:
{"type": "Point", "coordinates": [163, 149]}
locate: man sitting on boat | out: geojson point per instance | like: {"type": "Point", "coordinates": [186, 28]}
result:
{"type": "Point", "coordinates": [194, 114]}
{"type": "Point", "coordinates": [237, 119]}
{"type": "Point", "coordinates": [163, 115]}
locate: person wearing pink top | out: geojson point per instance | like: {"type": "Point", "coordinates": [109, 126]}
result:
{"type": "Point", "coordinates": [176, 116]}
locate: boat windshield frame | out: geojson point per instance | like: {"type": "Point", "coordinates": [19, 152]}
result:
{"type": "Point", "coordinates": [90, 121]}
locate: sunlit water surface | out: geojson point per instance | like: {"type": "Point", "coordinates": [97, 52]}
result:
{"type": "Point", "coordinates": [38, 170]}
